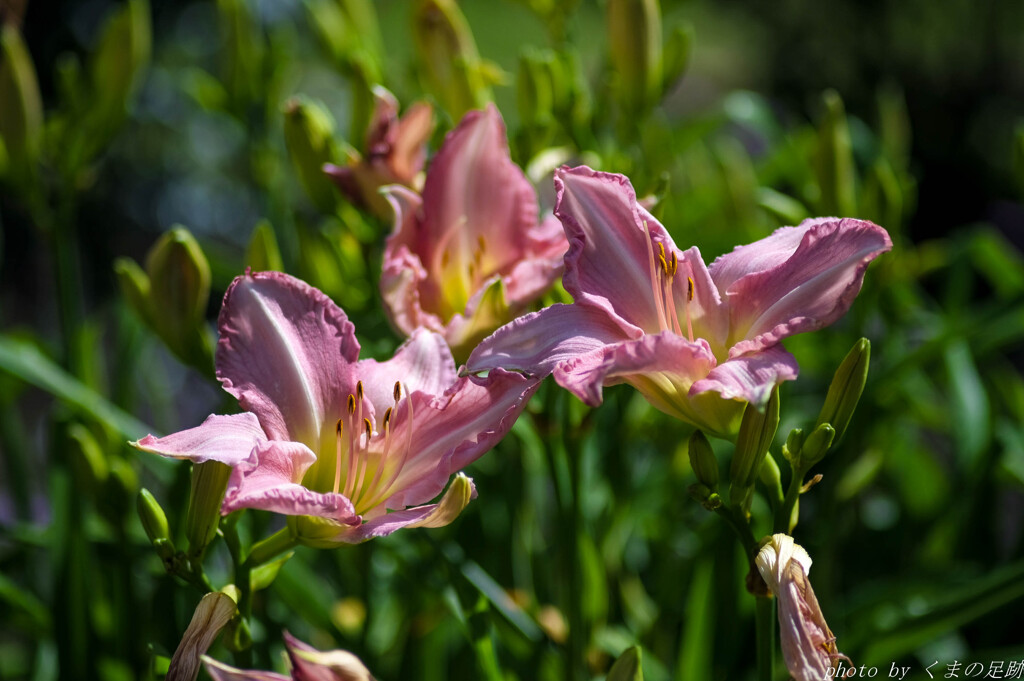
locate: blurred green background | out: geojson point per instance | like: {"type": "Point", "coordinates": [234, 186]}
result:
{"type": "Point", "coordinates": [736, 116]}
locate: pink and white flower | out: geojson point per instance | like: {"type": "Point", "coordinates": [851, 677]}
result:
{"type": "Point", "coordinates": [470, 253]}
{"type": "Point", "coordinates": [698, 342]}
{"type": "Point", "coordinates": [350, 448]}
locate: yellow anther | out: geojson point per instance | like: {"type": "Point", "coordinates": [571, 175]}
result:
{"type": "Point", "coordinates": [387, 418]}
{"type": "Point", "coordinates": [351, 403]}
{"type": "Point", "coordinates": [675, 264]}
{"type": "Point", "coordinates": [359, 390]}
{"type": "Point", "coordinates": [338, 427]}
{"type": "Point", "coordinates": [689, 289]}
{"type": "Point", "coordinates": [398, 391]}
{"type": "Point", "coordinates": [664, 265]}
{"type": "Point", "coordinates": [369, 428]}
{"type": "Point", "coordinates": [481, 242]}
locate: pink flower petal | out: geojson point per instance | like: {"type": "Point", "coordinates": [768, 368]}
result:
{"type": "Point", "coordinates": [609, 261]}
{"type": "Point", "coordinates": [451, 431]}
{"type": "Point", "coordinates": [219, 671]}
{"type": "Point", "coordinates": [285, 352]}
{"type": "Point", "coordinates": [228, 439]}
{"type": "Point", "coordinates": [473, 188]}
{"type": "Point", "coordinates": [423, 363]}
{"type": "Point", "coordinates": [537, 342]}
{"type": "Point", "coordinates": [799, 279]}
{"type": "Point", "coordinates": [750, 377]}
{"type": "Point", "coordinates": [269, 480]}
{"type": "Point", "coordinates": [662, 367]}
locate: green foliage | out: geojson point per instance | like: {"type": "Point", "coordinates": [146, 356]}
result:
{"type": "Point", "coordinates": [583, 547]}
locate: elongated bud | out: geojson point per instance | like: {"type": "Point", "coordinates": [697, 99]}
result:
{"type": "Point", "coordinates": [845, 390]}
{"type": "Point", "coordinates": [534, 89]}
{"type": "Point", "coordinates": [179, 278]}
{"type": "Point", "coordinates": [309, 136]}
{"type": "Point", "coordinates": [702, 460]}
{"type": "Point", "coordinates": [134, 284]}
{"type": "Point", "coordinates": [263, 254]}
{"type": "Point", "coordinates": [757, 430]}
{"type": "Point", "coordinates": [629, 666]}
{"type": "Point", "coordinates": [123, 51]}
{"type": "Point", "coordinates": [771, 476]}
{"type": "Point", "coordinates": [834, 160]}
{"type": "Point", "coordinates": [154, 520]}
{"type": "Point", "coordinates": [209, 481]}
{"type": "Point", "coordinates": [816, 445]}
{"type": "Point", "coordinates": [448, 56]}
{"type": "Point", "coordinates": [634, 43]}
{"type": "Point", "coordinates": [21, 108]}
{"type": "Point", "coordinates": [179, 290]}
{"type": "Point", "coordinates": [678, 49]}
{"type": "Point", "coordinates": [212, 613]}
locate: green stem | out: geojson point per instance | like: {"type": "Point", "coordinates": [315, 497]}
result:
{"type": "Point", "coordinates": [267, 549]}
{"type": "Point", "coordinates": [764, 620]}
{"type": "Point", "coordinates": [734, 517]}
{"type": "Point", "coordinates": [784, 514]}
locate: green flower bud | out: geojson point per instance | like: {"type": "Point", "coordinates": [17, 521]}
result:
{"type": "Point", "coordinates": [122, 52]}
{"type": "Point", "coordinates": [794, 443]}
{"type": "Point", "coordinates": [21, 109]}
{"type": "Point", "coordinates": [309, 136]}
{"type": "Point", "coordinates": [771, 477]}
{"type": "Point", "coordinates": [179, 290]}
{"type": "Point", "coordinates": [816, 445]}
{"type": "Point", "coordinates": [678, 49]}
{"type": "Point", "coordinates": [262, 254]}
{"type": "Point", "coordinates": [209, 481]}
{"type": "Point", "coordinates": [634, 44]}
{"type": "Point", "coordinates": [702, 460]}
{"type": "Point", "coordinates": [629, 666]}
{"type": "Point", "coordinates": [757, 430]}
{"type": "Point", "coordinates": [708, 499]}
{"type": "Point", "coordinates": [448, 56]}
{"type": "Point", "coordinates": [834, 165]}
{"type": "Point", "coordinates": [534, 90]}
{"type": "Point", "coordinates": [846, 388]}
{"type": "Point", "coordinates": [154, 520]}
{"type": "Point", "coordinates": [134, 284]}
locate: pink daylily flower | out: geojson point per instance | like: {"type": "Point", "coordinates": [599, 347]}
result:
{"type": "Point", "coordinates": [307, 664]}
{"type": "Point", "coordinates": [396, 149]}
{"type": "Point", "coordinates": [332, 440]}
{"type": "Point", "coordinates": [470, 254]}
{"type": "Point", "coordinates": [698, 342]}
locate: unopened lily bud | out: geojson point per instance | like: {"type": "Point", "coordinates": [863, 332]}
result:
{"type": "Point", "coordinates": [678, 48]}
{"type": "Point", "coordinates": [134, 284]}
{"type": "Point", "coordinates": [179, 278]}
{"type": "Point", "coordinates": [534, 90]}
{"type": "Point", "coordinates": [154, 520]}
{"type": "Point", "coordinates": [309, 136]}
{"type": "Point", "coordinates": [846, 388]}
{"type": "Point", "coordinates": [794, 444]}
{"type": "Point", "coordinates": [123, 51]}
{"type": "Point", "coordinates": [757, 430]}
{"type": "Point", "coordinates": [21, 108]}
{"type": "Point", "coordinates": [179, 290]}
{"type": "Point", "coordinates": [263, 254]}
{"type": "Point", "coordinates": [634, 43]}
{"type": "Point", "coordinates": [834, 160]}
{"type": "Point", "coordinates": [771, 476]}
{"type": "Point", "coordinates": [629, 666]}
{"type": "Point", "coordinates": [209, 481]}
{"type": "Point", "coordinates": [702, 460]}
{"type": "Point", "coordinates": [448, 55]}
{"type": "Point", "coordinates": [816, 445]}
